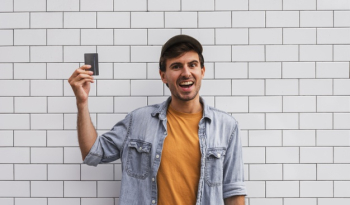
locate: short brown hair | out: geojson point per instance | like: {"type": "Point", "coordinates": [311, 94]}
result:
{"type": "Point", "coordinates": [177, 50]}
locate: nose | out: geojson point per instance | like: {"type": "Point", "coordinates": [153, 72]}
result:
{"type": "Point", "coordinates": [186, 72]}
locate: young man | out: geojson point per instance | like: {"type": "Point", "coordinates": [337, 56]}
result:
{"type": "Point", "coordinates": [178, 152]}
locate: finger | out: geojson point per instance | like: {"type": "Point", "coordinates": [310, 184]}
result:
{"type": "Point", "coordinates": [81, 82]}
{"type": "Point", "coordinates": [82, 69]}
{"type": "Point", "coordinates": [80, 77]}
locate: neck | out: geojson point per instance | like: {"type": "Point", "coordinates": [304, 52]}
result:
{"type": "Point", "coordinates": [191, 106]}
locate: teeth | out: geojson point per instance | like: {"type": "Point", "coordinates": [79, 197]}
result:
{"type": "Point", "coordinates": [186, 83]}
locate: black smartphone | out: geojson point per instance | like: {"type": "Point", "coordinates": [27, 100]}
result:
{"type": "Point", "coordinates": [92, 59]}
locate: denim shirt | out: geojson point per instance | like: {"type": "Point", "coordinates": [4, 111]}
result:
{"type": "Point", "coordinates": [138, 141]}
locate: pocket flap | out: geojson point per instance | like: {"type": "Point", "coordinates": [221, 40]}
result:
{"type": "Point", "coordinates": [140, 146]}
{"type": "Point", "coordinates": [216, 152]}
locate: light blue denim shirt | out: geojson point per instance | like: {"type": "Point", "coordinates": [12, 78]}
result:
{"type": "Point", "coordinates": [138, 141]}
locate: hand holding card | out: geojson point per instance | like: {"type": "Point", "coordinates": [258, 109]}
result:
{"type": "Point", "coordinates": [92, 59]}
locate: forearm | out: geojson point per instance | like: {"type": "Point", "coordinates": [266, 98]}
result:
{"type": "Point", "coordinates": [235, 200]}
{"type": "Point", "coordinates": [86, 131]}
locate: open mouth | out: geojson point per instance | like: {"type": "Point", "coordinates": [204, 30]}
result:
{"type": "Point", "coordinates": [186, 84]}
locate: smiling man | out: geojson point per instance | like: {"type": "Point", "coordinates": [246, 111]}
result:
{"type": "Point", "coordinates": [179, 152]}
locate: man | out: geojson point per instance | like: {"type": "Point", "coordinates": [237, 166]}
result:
{"type": "Point", "coordinates": [178, 152]}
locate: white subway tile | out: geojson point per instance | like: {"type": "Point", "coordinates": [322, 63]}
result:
{"type": "Point", "coordinates": [231, 36]}
{"type": "Point", "coordinates": [80, 189]}
{"type": "Point", "coordinates": [195, 5]}
{"type": "Point", "coordinates": [14, 155]}
{"type": "Point", "coordinates": [248, 19]}
{"type": "Point", "coordinates": [113, 53]}
{"type": "Point", "coordinates": [72, 155]}
{"type": "Point", "coordinates": [29, 71]}
{"type": "Point", "coordinates": [325, 201]}
{"type": "Point", "coordinates": [70, 121]}
{"type": "Point", "coordinates": [316, 155]}
{"type": "Point", "coordinates": [253, 155]}
{"type": "Point", "coordinates": [214, 19]}
{"type": "Point", "coordinates": [316, 18]}
{"type": "Point", "coordinates": [250, 120]}
{"type": "Point", "coordinates": [128, 104]}
{"type": "Point", "coordinates": [248, 53]}
{"type": "Point", "coordinates": [299, 103]}
{"type": "Point", "coordinates": [95, 201]}
{"type": "Point", "coordinates": [15, 88]}
{"type": "Point", "coordinates": [46, 54]}
{"type": "Point", "coordinates": [299, 36]}
{"type": "Point", "coordinates": [145, 53]}
{"type": "Point", "coordinates": [113, 20]}
{"type": "Point", "coordinates": [315, 121]}
{"type": "Point", "coordinates": [214, 87]}
{"type": "Point", "coordinates": [265, 70]}
{"type": "Point", "coordinates": [333, 104]}
{"type": "Point", "coordinates": [147, 19]}
{"type": "Point", "coordinates": [63, 5]}
{"type": "Point", "coordinates": [46, 88]}
{"type": "Point", "coordinates": [107, 121]}
{"type": "Point", "coordinates": [113, 87]}
{"type": "Point", "coordinates": [231, 5]}
{"type": "Point", "coordinates": [341, 52]}
{"type": "Point", "coordinates": [30, 172]}
{"type": "Point", "coordinates": [333, 171]}
{"type": "Point", "coordinates": [63, 37]}
{"type": "Point", "coordinates": [248, 87]}
{"type": "Point", "coordinates": [332, 69]}
{"type": "Point", "coordinates": [63, 172]}
{"type": "Point", "coordinates": [265, 36]}
{"type": "Point", "coordinates": [7, 172]}
{"type": "Point", "coordinates": [15, 189]}
{"type": "Point", "coordinates": [130, 36]}
{"type": "Point", "coordinates": [101, 104]}
{"type": "Point", "coordinates": [282, 189]}
{"type": "Point", "coordinates": [161, 5]}
{"type": "Point", "coordinates": [30, 104]}
{"type": "Point", "coordinates": [129, 70]}
{"type": "Point", "coordinates": [282, 87]}
{"type": "Point", "coordinates": [282, 121]}
{"type": "Point", "coordinates": [298, 70]}
{"type": "Point", "coordinates": [101, 172]}
{"type": "Point", "coordinates": [232, 104]}
{"type": "Point", "coordinates": [256, 188]}
{"type": "Point", "coordinates": [282, 53]}
{"type": "Point", "coordinates": [265, 104]}
{"type": "Point", "coordinates": [67, 201]}
{"type": "Point", "coordinates": [300, 201]}
{"type": "Point", "coordinates": [217, 53]}
{"type": "Point", "coordinates": [299, 172]}
{"type": "Point", "coordinates": [265, 138]}
{"type": "Point", "coordinates": [14, 20]}
{"type": "Point", "coordinates": [316, 189]}
{"type": "Point", "coordinates": [14, 121]}
{"type": "Point", "coordinates": [181, 20]}
{"type": "Point", "coordinates": [282, 154]}
{"type": "Point", "coordinates": [333, 36]}
{"type": "Point", "coordinates": [97, 37]}
{"type": "Point", "coordinates": [265, 201]}
{"type": "Point", "coordinates": [146, 87]}
{"type": "Point", "coordinates": [7, 105]}
{"type": "Point", "coordinates": [265, 5]}
{"type": "Point", "coordinates": [342, 155]}
{"type": "Point", "coordinates": [80, 20]}
{"type": "Point", "coordinates": [230, 70]}
{"type": "Point", "coordinates": [76, 53]}
{"type": "Point", "coordinates": [315, 87]}
{"type": "Point", "coordinates": [299, 138]}
{"type": "Point", "coordinates": [205, 36]}
{"type": "Point", "coordinates": [46, 155]}
{"type": "Point", "coordinates": [341, 189]}
{"type": "Point", "coordinates": [299, 4]}
{"type": "Point", "coordinates": [61, 70]}
{"type": "Point", "coordinates": [316, 53]}
{"type": "Point", "coordinates": [6, 37]}
{"type": "Point", "coordinates": [30, 201]}
{"type": "Point", "coordinates": [108, 188]}
{"type": "Point", "coordinates": [333, 138]}
{"type": "Point", "coordinates": [46, 188]}
{"type": "Point", "coordinates": [333, 5]}
{"type": "Point", "coordinates": [341, 18]}
{"type": "Point", "coordinates": [282, 19]}
{"type": "Point", "coordinates": [6, 138]}
{"type": "Point", "coordinates": [159, 36]}
{"type": "Point", "coordinates": [62, 138]}
{"type": "Point", "coordinates": [29, 138]}
{"type": "Point", "coordinates": [46, 121]}
{"type": "Point", "coordinates": [6, 5]}
{"type": "Point", "coordinates": [265, 172]}
{"type": "Point", "coordinates": [46, 20]}
{"type": "Point", "coordinates": [92, 5]}
{"type": "Point", "coordinates": [14, 54]}
{"type": "Point", "coordinates": [130, 5]}
{"type": "Point", "coordinates": [6, 70]}
{"type": "Point", "coordinates": [31, 5]}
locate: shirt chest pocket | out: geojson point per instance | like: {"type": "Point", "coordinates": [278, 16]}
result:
{"type": "Point", "coordinates": [214, 166]}
{"type": "Point", "coordinates": [139, 159]}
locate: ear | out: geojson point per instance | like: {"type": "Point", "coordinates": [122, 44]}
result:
{"type": "Point", "coordinates": [203, 71]}
{"type": "Point", "coordinates": [162, 76]}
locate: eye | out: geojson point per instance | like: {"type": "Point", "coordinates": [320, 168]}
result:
{"type": "Point", "coordinates": [176, 67]}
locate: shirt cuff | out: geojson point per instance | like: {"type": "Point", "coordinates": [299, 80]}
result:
{"type": "Point", "coordinates": [234, 189]}
{"type": "Point", "coordinates": [93, 159]}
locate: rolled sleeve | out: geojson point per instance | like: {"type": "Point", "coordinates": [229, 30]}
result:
{"type": "Point", "coordinates": [109, 146]}
{"type": "Point", "coordinates": [233, 182]}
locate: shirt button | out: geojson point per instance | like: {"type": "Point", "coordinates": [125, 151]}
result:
{"type": "Point", "coordinates": [152, 179]}
{"type": "Point", "coordinates": [153, 201]}
{"type": "Point", "coordinates": [140, 148]}
{"type": "Point", "coordinates": [165, 133]}
{"type": "Point", "coordinates": [157, 156]}
{"type": "Point", "coordinates": [219, 155]}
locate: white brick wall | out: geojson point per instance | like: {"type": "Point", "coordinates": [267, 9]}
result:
{"type": "Point", "coordinates": [280, 67]}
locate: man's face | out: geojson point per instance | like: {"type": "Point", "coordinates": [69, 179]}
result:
{"type": "Point", "coordinates": [184, 76]}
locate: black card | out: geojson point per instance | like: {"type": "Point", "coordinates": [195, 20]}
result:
{"type": "Point", "coordinates": [92, 59]}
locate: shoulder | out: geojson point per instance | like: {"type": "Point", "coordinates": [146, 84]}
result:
{"type": "Point", "coordinates": [146, 110]}
{"type": "Point", "coordinates": [222, 115]}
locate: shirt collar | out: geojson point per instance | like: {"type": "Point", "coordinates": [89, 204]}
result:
{"type": "Point", "coordinates": [163, 107]}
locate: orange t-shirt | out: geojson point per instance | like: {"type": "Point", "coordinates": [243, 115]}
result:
{"type": "Point", "coordinates": [179, 169]}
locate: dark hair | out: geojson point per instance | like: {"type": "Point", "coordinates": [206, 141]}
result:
{"type": "Point", "coordinates": [177, 50]}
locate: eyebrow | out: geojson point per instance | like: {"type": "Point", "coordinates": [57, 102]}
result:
{"type": "Point", "coordinates": [176, 63]}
